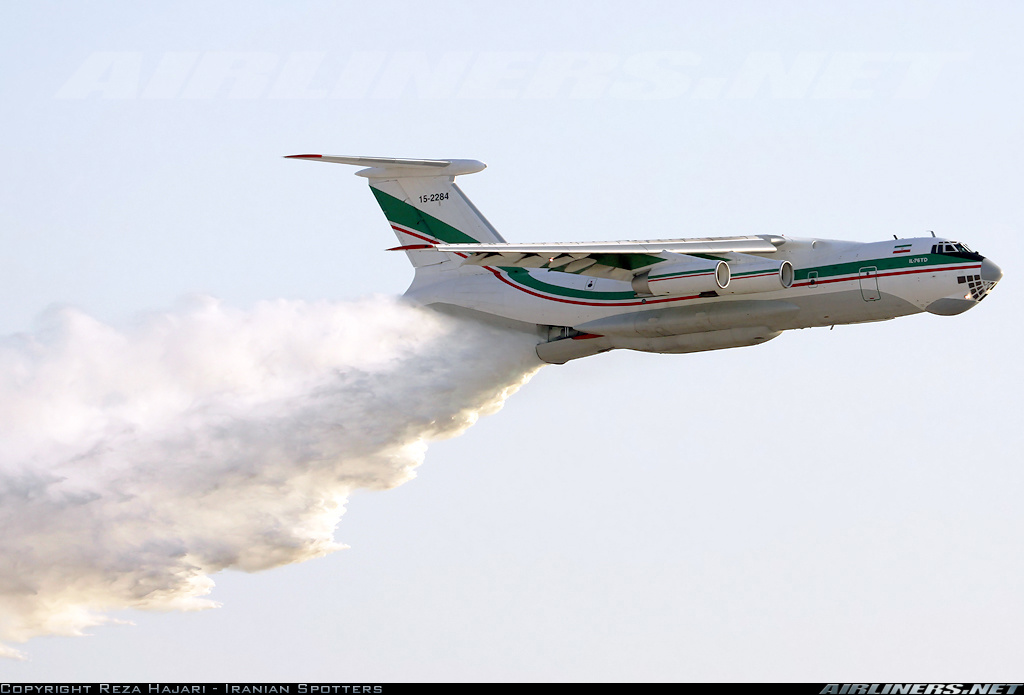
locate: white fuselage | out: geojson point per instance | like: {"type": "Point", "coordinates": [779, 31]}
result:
{"type": "Point", "coordinates": [835, 282]}
{"type": "Point", "coordinates": [660, 295]}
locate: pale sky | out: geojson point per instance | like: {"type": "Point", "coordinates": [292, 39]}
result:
{"type": "Point", "coordinates": [832, 505]}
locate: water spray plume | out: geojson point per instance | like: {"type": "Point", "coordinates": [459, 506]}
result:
{"type": "Point", "coordinates": [136, 463]}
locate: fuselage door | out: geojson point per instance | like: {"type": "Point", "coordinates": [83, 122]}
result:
{"type": "Point", "coordinates": [869, 284]}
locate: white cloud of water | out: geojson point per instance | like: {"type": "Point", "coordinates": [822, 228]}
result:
{"type": "Point", "coordinates": [135, 463]}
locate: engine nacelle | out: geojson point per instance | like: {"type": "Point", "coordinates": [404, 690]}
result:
{"type": "Point", "coordinates": [751, 274]}
{"type": "Point", "coordinates": [688, 278]}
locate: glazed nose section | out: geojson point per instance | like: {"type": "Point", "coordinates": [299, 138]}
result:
{"type": "Point", "coordinates": [974, 289]}
{"type": "Point", "coordinates": [990, 272]}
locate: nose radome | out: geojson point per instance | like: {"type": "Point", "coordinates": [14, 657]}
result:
{"type": "Point", "coordinates": [990, 272]}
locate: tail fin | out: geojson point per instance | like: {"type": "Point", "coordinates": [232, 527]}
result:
{"type": "Point", "coordinates": [422, 203]}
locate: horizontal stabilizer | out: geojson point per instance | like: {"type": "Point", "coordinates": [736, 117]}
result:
{"type": "Point", "coordinates": [391, 167]}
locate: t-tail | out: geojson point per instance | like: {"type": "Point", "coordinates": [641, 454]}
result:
{"type": "Point", "coordinates": [423, 205]}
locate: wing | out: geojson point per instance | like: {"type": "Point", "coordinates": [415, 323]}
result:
{"type": "Point", "coordinates": [619, 260]}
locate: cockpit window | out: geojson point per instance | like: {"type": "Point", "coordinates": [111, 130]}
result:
{"type": "Point", "coordinates": [950, 247]}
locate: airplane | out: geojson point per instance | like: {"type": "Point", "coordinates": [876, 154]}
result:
{"type": "Point", "coordinates": [662, 295]}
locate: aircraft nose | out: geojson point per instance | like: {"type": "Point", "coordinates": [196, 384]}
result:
{"type": "Point", "coordinates": [990, 272]}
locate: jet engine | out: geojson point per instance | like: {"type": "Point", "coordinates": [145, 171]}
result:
{"type": "Point", "coordinates": [691, 277]}
{"type": "Point", "coordinates": [751, 274]}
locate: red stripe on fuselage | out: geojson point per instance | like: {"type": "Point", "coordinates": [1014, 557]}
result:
{"type": "Point", "coordinates": [613, 302]}
{"type": "Point", "coordinates": [500, 276]}
{"type": "Point", "coordinates": [889, 275]}
{"type": "Point", "coordinates": [645, 302]}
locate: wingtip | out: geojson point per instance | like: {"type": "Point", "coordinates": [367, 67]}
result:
{"type": "Point", "coordinates": [412, 247]}
{"type": "Point", "coordinates": [303, 156]}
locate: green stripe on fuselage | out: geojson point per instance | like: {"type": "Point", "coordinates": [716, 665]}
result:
{"type": "Point", "coordinates": [522, 277]}
{"type": "Point", "coordinates": [880, 264]}
{"type": "Point", "coordinates": [401, 212]}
